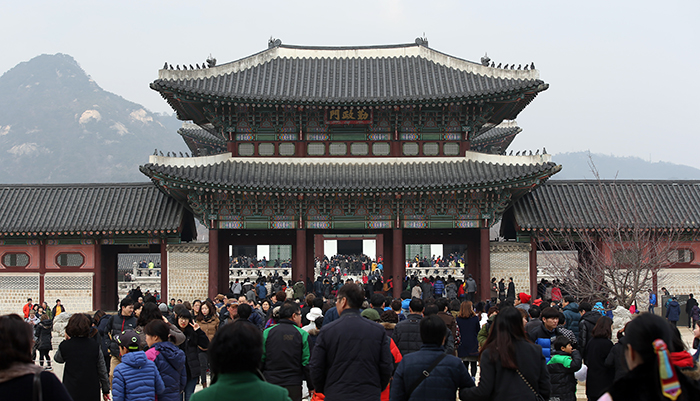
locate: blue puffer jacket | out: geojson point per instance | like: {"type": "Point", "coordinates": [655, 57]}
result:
{"type": "Point", "coordinates": [439, 287]}
{"type": "Point", "coordinates": [572, 317]}
{"type": "Point", "coordinates": [673, 312]}
{"type": "Point", "coordinates": [444, 380]}
{"type": "Point", "coordinates": [170, 361]}
{"type": "Point", "coordinates": [136, 379]}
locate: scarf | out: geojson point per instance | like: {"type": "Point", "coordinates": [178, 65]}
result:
{"type": "Point", "coordinates": [18, 370]}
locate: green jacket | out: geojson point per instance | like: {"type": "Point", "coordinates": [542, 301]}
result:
{"type": "Point", "coordinates": [484, 332]}
{"type": "Point", "coordinates": [245, 385]}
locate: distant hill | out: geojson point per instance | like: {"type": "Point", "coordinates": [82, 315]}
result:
{"type": "Point", "coordinates": [57, 125]}
{"type": "Point", "coordinates": [576, 166]}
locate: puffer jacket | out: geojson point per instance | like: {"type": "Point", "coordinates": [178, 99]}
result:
{"type": "Point", "coordinates": [451, 291]}
{"type": "Point", "coordinates": [439, 288]}
{"type": "Point", "coordinates": [673, 312]}
{"type": "Point", "coordinates": [170, 361]}
{"type": "Point", "coordinates": [407, 334]}
{"type": "Point", "coordinates": [442, 383]}
{"type": "Point", "coordinates": [196, 339]}
{"type": "Point", "coordinates": [572, 317]}
{"type": "Point", "coordinates": [137, 378]}
{"type": "Point", "coordinates": [539, 335]}
{"type": "Point", "coordinates": [286, 354]}
{"type": "Point", "coordinates": [562, 367]}
{"type": "Point", "coordinates": [209, 325]}
{"type": "Point", "coordinates": [42, 331]}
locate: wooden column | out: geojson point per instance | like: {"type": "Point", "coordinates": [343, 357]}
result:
{"type": "Point", "coordinates": [231, 147]}
{"type": "Point", "coordinates": [164, 269]}
{"type": "Point", "coordinates": [318, 246]}
{"type": "Point", "coordinates": [485, 265]}
{"type": "Point", "coordinates": [42, 268]}
{"type": "Point", "coordinates": [473, 252]}
{"type": "Point", "coordinates": [213, 263]}
{"type": "Point", "coordinates": [310, 253]}
{"type": "Point", "coordinates": [97, 276]}
{"type": "Point", "coordinates": [398, 265]}
{"type": "Point", "coordinates": [299, 256]}
{"type": "Point", "coordinates": [380, 246]}
{"type": "Point", "coordinates": [533, 267]}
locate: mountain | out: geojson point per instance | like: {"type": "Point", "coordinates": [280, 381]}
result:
{"type": "Point", "coordinates": [577, 165]}
{"type": "Point", "coordinates": [57, 125]}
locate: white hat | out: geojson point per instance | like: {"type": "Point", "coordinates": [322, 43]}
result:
{"type": "Point", "coordinates": [314, 314]}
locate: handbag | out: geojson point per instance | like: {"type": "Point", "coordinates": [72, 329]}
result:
{"type": "Point", "coordinates": [538, 396]}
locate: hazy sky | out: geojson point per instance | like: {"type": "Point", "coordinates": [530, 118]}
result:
{"type": "Point", "coordinates": [623, 75]}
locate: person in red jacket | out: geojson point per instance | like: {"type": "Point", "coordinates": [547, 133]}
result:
{"type": "Point", "coordinates": [27, 309]}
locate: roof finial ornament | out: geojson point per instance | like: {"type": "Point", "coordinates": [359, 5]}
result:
{"type": "Point", "coordinates": [485, 60]}
{"type": "Point", "coordinates": [272, 42]}
{"type": "Point", "coordinates": [544, 150]}
{"type": "Point", "coordinates": [165, 66]}
{"type": "Point", "coordinates": [499, 65]}
{"type": "Point", "coordinates": [532, 66]}
{"type": "Point", "coordinates": [155, 152]}
{"type": "Point", "coordinates": [211, 61]}
{"type": "Point", "coordinates": [422, 41]}
{"type": "Point", "coordinates": [493, 64]}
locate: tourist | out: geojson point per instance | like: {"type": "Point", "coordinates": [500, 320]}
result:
{"type": "Point", "coordinates": [445, 373]}
{"type": "Point", "coordinates": [57, 309]}
{"type": "Point", "coordinates": [151, 312]}
{"type": "Point", "coordinates": [570, 310]}
{"type": "Point", "coordinates": [286, 351]}
{"type": "Point", "coordinates": [616, 358]}
{"type": "Point", "coordinates": [85, 372]}
{"type": "Point", "coordinates": [673, 311]}
{"type": "Point", "coordinates": [407, 333]}
{"type": "Point", "coordinates": [471, 289]}
{"type": "Point", "coordinates": [502, 290]}
{"type": "Point", "coordinates": [47, 310]}
{"type": "Point", "coordinates": [169, 359]}
{"type": "Point", "coordinates": [652, 301]}
{"type": "Point", "coordinates": [42, 332]}
{"type": "Point", "coordinates": [235, 354]}
{"type": "Point", "coordinates": [648, 337]}
{"type": "Point", "coordinates": [443, 306]}
{"type": "Point", "coordinates": [136, 378]}
{"type": "Point", "coordinates": [196, 339]}
{"type": "Point", "coordinates": [589, 318]}
{"type": "Point", "coordinates": [352, 357]}
{"type": "Point", "coordinates": [565, 362]}
{"type": "Point", "coordinates": [511, 289]}
{"type": "Point", "coordinates": [468, 350]}
{"type": "Point", "coordinates": [122, 321]}
{"type": "Point", "coordinates": [599, 376]}
{"type": "Point", "coordinates": [17, 370]}
{"type": "Point", "coordinates": [101, 321]}
{"type": "Point", "coordinates": [314, 315]}
{"type": "Point", "coordinates": [689, 305]}
{"type": "Point", "coordinates": [512, 368]}
{"type": "Point", "coordinates": [544, 333]}
{"type": "Point", "coordinates": [27, 308]}
{"type": "Point", "coordinates": [696, 339]}
{"type": "Point", "coordinates": [208, 323]}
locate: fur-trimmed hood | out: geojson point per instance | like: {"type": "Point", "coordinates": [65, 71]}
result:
{"type": "Point", "coordinates": [387, 325]}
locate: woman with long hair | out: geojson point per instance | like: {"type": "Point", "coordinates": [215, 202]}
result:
{"type": "Point", "coordinates": [195, 339]}
{"type": "Point", "coordinates": [149, 313]}
{"type": "Point", "coordinates": [85, 372]}
{"type": "Point", "coordinates": [599, 376]}
{"type": "Point", "coordinates": [512, 368]}
{"type": "Point", "coordinates": [468, 323]}
{"type": "Point", "coordinates": [208, 322]}
{"type": "Point", "coordinates": [17, 370]}
{"type": "Point", "coordinates": [652, 376]}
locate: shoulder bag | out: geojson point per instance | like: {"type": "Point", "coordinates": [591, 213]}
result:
{"type": "Point", "coordinates": [538, 396]}
{"type": "Point", "coordinates": [425, 375]}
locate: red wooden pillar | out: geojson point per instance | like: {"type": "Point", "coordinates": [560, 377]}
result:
{"type": "Point", "coordinates": [299, 255]}
{"type": "Point", "coordinates": [533, 267]}
{"type": "Point", "coordinates": [485, 266]}
{"type": "Point", "coordinates": [42, 268]}
{"type": "Point", "coordinates": [318, 246]}
{"type": "Point", "coordinates": [213, 263]}
{"type": "Point", "coordinates": [97, 276]}
{"type": "Point", "coordinates": [380, 246]}
{"type": "Point", "coordinates": [164, 269]}
{"type": "Point", "coordinates": [231, 147]}
{"type": "Point", "coordinates": [398, 265]}
{"type": "Point", "coordinates": [473, 251]}
{"type": "Point", "coordinates": [310, 253]}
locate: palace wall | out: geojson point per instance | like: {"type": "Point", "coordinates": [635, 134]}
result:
{"type": "Point", "coordinates": [511, 259]}
{"type": "Point", "coordinates": [188, 271]}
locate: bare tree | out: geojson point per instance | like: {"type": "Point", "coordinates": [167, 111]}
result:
{"type": "Point", "coordinates": [623, 242]}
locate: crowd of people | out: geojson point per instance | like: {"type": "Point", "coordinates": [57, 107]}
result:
{"type": "Point", "coordinates": [345, 340]}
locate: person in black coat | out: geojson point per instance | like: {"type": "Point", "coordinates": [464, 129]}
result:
{"type": "Point", "coordinates": [351, 359]}
{"type": "Point", "coordinates": [565, 362]}
{"type": "Point", "coordinates": [512, 368]}
{"type": "Point", "coordinates": [599, 376]}
{"type": "Point", "coordinates": [195, 337]}
{"type": "Point", "coordinates": [85, 373]}
{"type": "Point", "coordinates": [689, 308]}
{"type": "Point", "coordinates": [42, 331]}
{"type": "Point", "coordinates": [511, 289]}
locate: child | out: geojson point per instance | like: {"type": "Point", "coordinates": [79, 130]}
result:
{"type": "Point", "coordinates": [169, 359]}
{"type": "Point", "coordinates": [564, 363]}
{"type": "Point", "coordinates": [136, 378]}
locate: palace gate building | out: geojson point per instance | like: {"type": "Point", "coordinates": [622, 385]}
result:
{"type": "Point", "coordinates": [400, 144]}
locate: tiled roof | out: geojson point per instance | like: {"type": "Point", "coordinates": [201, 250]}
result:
{"type": "Point", "coordinates": [351, 177]}
{"type": "Point", "coordinates": [496, 134]}
{"type": "Point", "coordinates": [200, 135]}
{"type": "Point", "coordinates": [593, 205]}
{"type": "Point", "coordinates": [381, 74]}
{"type": "Point", "coordinates": [87, 207]}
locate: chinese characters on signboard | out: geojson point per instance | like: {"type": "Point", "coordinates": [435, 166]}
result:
{"type": "Point", "coordinates": [351, 116]}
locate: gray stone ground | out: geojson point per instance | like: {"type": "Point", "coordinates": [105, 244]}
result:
{"type": "Point", "coordinates": [580, 392]}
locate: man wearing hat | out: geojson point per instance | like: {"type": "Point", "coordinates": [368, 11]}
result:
{"type": "Point", "coordinates": [231, 312]}
{"type": "Point", "coordinates": [136, 377]}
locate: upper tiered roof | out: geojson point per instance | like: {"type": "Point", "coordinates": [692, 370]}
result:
{"type": "Point", "coordinates": [364, 75]}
